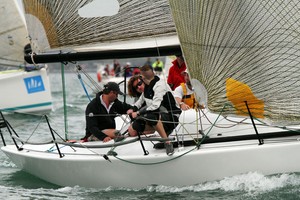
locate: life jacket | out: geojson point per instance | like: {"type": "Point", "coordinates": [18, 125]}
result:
{"type": "Point", "coordinates": [188, 99]}
{"type": "Point", "coordinates": [158, 66]}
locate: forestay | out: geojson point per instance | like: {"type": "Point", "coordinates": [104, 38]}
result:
{"type": "Point", "coordinates": [244, 51]}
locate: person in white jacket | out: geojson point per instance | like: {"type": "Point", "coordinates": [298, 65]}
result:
{"type": "Point", "coordinates": [161, 112]}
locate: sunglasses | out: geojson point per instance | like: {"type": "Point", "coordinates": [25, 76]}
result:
{"type": "Point", "coordinates": [138, 84]}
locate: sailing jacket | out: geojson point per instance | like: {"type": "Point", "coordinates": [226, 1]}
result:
{"type": "Point", "coordinates": [158, 95]}
{"type": "Point", "coordinates": [158, 66]}
{"type": "Point", "coordinates": [175, 75]}
{"type": "Point", "coordinates": [99, 118]}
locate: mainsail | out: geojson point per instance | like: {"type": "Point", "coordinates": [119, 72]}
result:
{"type": "Point", "coordinates": [57, 25]}
{"type": "Point", "coordinates": [13, 34]}
{"type": "Point", "coordinates": [244, 51]}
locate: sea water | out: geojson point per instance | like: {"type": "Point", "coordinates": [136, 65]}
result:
{"type": "Point", "coordinates": [16, 184]}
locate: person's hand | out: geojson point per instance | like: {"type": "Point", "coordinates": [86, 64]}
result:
{"type": "Point", "coordinates": [134, 115]}
{"type": "Point", "coordinates": [184, 106]}
{"type": "Point", "coordinates": [130, 111]}
{"type": "Point", "coordinates": [107, 139]}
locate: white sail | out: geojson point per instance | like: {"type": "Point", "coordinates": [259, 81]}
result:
{"type": "Point", "coordinates": [58, 25]}
{"type": "Point", "coordinates": [244, 51]}
{"type": "Point", "coordinates": [13, 34]}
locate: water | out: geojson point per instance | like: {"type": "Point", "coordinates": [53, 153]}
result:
{"type": "Point", "coordinates": [16, 184]}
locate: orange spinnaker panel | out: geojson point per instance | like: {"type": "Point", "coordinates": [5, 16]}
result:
{"type": "Point", "coordinates": [237, 93]}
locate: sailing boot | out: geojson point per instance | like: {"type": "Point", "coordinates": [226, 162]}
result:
{"type": "Point", "coordinates": [169, 149]}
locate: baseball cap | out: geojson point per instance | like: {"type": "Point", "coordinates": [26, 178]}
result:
{"type": "Point", "coordinates": [112, 86]}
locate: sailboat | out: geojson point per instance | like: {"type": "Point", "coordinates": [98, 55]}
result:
{"type": "Point", "coordinates": [243, 54]}
{"type": "Point", "coordinates": [24, 88]}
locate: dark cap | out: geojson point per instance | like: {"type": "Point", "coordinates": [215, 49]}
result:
{"type": "Point", "coordinates": [112, 86]}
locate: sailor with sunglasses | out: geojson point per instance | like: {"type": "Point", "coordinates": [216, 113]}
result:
{"type": "Point", "coordinates": [161, 112]}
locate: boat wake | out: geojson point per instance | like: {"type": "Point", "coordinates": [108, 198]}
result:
{"type": "Point", "coordinates": [248, 185]}
{"type": "Point", "coordinates": [7, 164]}
{"type": "Point", "coordinates": [252, 183]}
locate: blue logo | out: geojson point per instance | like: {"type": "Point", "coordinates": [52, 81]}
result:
{"type": "Point", "coordinates": [34, 84]}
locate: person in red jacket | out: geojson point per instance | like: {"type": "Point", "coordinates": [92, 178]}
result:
{"type": "Point", "coordinates": [175, 77]}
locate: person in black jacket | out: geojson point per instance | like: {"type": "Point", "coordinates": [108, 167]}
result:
{"type": "Point", "coordinates": [101, 112]}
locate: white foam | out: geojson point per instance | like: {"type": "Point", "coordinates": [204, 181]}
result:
{"type": "Point", "coordinates": [251, 183]}
{"type": "Point", "coordinates": [7, 164]}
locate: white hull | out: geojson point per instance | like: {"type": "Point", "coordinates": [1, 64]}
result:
{"type": "Point", "coordinates": [132, 169]}
{"type": "Point", "coordinates": [25, 92]}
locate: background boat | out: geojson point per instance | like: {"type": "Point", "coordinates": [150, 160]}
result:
{"type": "Point", "coordinates": [24, 88]}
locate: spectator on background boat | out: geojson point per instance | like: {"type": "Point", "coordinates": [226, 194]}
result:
{"type": "Point", "coordinates": [148, 62]}
{"type": "Point", "coordinates": [106, 69]}
{"type": "Point", "coordinates": [161, 112]}
{"type": "Point", "coordinates": [158, 66]}
{"type": "Point", "coordinates": [127, 69]}
{"type": "Point", "coordinates": [136, 71]}
{"type": "Point", "coordinates": [117, 68]}
{"type": "Point", "coordinates": [184, 94]}
{"type": "Point", "coordinates": [175, 77]}
{"type": "Point", "coordinates": [100, 114]}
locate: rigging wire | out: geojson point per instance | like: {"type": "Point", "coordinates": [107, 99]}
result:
{"type": "Point", "coordinates": [95, 86]}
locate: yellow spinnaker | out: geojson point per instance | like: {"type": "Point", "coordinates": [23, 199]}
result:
{"type": "Point", "coordinates": [237, 93]}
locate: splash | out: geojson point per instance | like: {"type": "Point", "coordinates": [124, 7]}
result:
{"type": "Point", "coordinates": [7, 164]}
{"type": "Point", "coordinates": [252, 183]}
